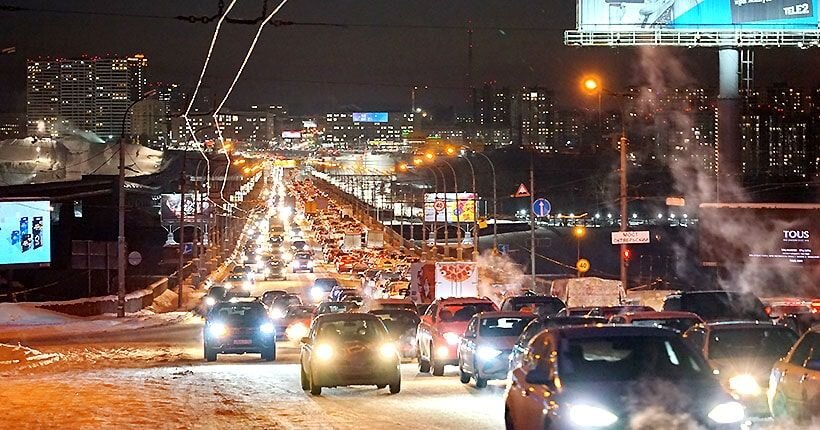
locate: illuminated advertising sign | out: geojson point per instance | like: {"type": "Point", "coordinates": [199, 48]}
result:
{"type": "Point", "coordinates": [25, 233]}
{"type": "Point", "coordinates": [697, 15]}
{"type": "Point", "coordinates": [170, 208]}
{"type": "Point", "coordinates": [291, 134]}
{"type": "Point", "coordinates": [370, 117]}
{"type": "Point", "coordinates": [770, 234]}
{"type": "Point", "coordinates": [309, 124]}
{"type": "Point", "coordinates": [440, 207]}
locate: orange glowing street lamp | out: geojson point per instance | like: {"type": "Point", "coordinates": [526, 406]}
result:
{"type": "Point", "coordinates": [451, 150]}
{"type": "Point", "coordinates": [418, 161]}
{"type": "Point", "coordinates": [429, 155]}
{"type": "Point", "coordinates": [402, 167]}
{"type": "Point", "coordinates": [591, 85]}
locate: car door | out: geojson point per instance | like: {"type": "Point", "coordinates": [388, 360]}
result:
{"type": "Point", "coordinates": [467, 346]}
{"type": "Point", "coordinates": [423, 334]}
{"type": "Point", "coordinates": [536, 400]}
{"type": "Point", "coordinates": [799, 382]}
{"type": "Point", "coordinates": [527, 400]}
{"type": "Point", "coordinates": [307, 349]}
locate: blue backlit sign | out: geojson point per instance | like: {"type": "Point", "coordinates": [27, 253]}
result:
{"type": "Point", "coordinates": [370, 117]}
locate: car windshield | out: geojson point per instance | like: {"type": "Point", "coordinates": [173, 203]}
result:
{"type": "Point", "coordinates": [217, 292]}
{"type": "Point", "coordinates": [537, 305]}
{"type": "Point", "coordinates": [723, 305]}
{"type": "Point", "coordinates": [334, 308]}
{"type": "Point", "coordinates": [352, 330]}
{"type": "Point", "coordinates": [503, 326]}
{"type": "Point", "coordinates": [677, 324]}
{"type": "Point", "coordinates": [464, 312]}
{"type": "Point", "coordinates": [299, 311]}
{"type": "Point", "coordinates": [303, 256]}
{"type": "Point", "coordinates": [753, 341]}
{"type": "Point", "coordinates": [286, 301]}
{"type": "Point", "coordinates": [239, 313]}
{"type": "Point", "coordinates": [627, 358]}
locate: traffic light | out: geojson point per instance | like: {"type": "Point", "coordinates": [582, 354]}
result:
{"type": "Point", "coordinates": [627, 254]}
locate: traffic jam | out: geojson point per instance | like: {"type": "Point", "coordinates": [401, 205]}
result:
{"type": "Point", "coordinates": [573, 356]}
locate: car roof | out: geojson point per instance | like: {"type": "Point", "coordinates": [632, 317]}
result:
{"type": "Point", "coordinates": [535, 298]}
{"type": "Point", "coordinates": [506, 314]}
{"type": "Point", "coordinates": [719, 325]}
{"type": "Point", "coordinates": [580, 332]}
{"type": "Point", "coordinates": [462, 300]}
{"type": "Point", "coordinates": [393, 301]}
{"type": "Point", "coordinates": [659, 315]}
{"type": "Point", "coordinates": [348, 316]}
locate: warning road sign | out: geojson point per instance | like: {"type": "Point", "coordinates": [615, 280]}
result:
{"type": "Point", "coordinates": [522, 191]}
{"type": "Point", "coordinates": [582, 265]}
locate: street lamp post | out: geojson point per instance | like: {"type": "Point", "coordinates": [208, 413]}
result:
{"type": "Point", "coordinates": [475, 211]}
{"type": "Point", "coordinates": [435, 215]}
{"type": "Point", "coordinates": [459, 245]}
{"type": "Point", "coordinates": [579, 231]}
{"type": "Point", "coordinates": [495, 202]}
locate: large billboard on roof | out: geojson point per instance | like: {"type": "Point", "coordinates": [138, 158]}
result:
{"type": "Point", "coordinates": [370, 117]}
{"type": "Point", "coordinates": [697, 15]}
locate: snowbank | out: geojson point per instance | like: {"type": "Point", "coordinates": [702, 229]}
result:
{"type": "Point", "coordinates": [29, 314]}
{"type": "Point", "coordinates": [16, 357]}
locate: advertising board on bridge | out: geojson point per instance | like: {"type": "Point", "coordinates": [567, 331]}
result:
{"type": "Point", "coordinates": [450, 207]}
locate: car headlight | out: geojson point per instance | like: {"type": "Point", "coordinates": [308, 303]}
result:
{"type": "Point", "coordinates": [296, 331]}
{"type": "Point", "coordinates": [727, 413]}
{"type": "Point", "coordinates": [451, 338]}
{"type": "Point", "coordinates": [744, 384]}
{"type": "Point", "coordinates": [316, 293]}
{"type": "Point", "coordinates": [388, 350]}
{"type": "Point", "coordinates": [210, 301]}
{"type": "Point", "coordinates": [266, 328]}
{"type": "Point", "coordinates": [487, 353]}
{"type": "Point", "coordinates": [227, 285]}
{"type": "Point", "coordinates": [591, 416]}
{"type": "Point", "coordinates": [323, 351]}
{"type": "Point", "coordinates": [277, 313]}
{"type": "Point", "coordinates": [247, 285]}
{"type": "Point", "coordinates": [217, 330]}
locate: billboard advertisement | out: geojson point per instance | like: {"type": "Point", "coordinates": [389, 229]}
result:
{"type": "Point", "coordinates": [25, 233]}
{"type": "Point", "coordinates": [451, 207]}
{"type": "Point", "coordinates": [170, 207]}
{"type": "Point", "coordinates": [764, 234]}
{"type": "Point", "coordinates": [370, 117]}
{"type": "Point", "coordinates": [697, 15]}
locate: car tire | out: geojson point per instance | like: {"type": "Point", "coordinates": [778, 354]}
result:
{"type": "Point", "coordinates": [463, 376]}
{"type": "Point", "coordinates": [380, 386]}
{"type": "Point", "coordinates": [303, 379]}
{"type": "Point", "coordinates": [424, 364]}
{"type": "Point", "coordinates": [480, 382]}
{"type": "Point", "coordinates": [270, 354]}
{"type": "Point", "coordinates": [396, 386]}
{"type": "Point", "coordinates": [438, 368]}
{"type": "Point", "coordinates": [210, 355]}
{"type": "Point", "coordinates": [315, 390]}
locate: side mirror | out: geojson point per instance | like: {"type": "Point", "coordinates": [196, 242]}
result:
{"type": "Point", "coordinates": [305, 340]}
{"type": "Point", "coordinates": [539, 376]}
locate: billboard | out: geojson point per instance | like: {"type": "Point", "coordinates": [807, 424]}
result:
{"type": "Point", "coordinates": [766, 234]}
{"type": "Point", "coordinates": [25, 233]}
{"type": "Point", "coordinates": [370, 117]}
{"type": "Point", "coordinates": [170, 208]}
{"type": "Point", "coordinates": [291, 134]}
{"type": "Point", "coordinates": [439, 207]}
{"type": "Point", "coordinates": [697, 15]}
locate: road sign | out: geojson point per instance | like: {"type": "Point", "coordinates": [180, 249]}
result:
{"type": "Point", "coordinates": [522, 191]}
{"type": "Point", "coordinates": [134, 258]}
{"type": "Point", "coordinates": [187, 248]}
{"type": "Point", "coordinates": [582, 265]}
{"type": "Point", "coordinates": [629, 237]}
{"type": "Point", "coordinates": [439, 205]}
{"type": "Point", "coordinates": [541, 207]}
{"type": "Point", "coordinates": [503, 248]}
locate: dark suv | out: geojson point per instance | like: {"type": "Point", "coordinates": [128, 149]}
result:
{"type": "Point", "coordinates": [718, 305]}
{"type": "Point", "coordinates": [239, 327]}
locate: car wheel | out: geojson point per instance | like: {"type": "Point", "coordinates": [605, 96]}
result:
{"type": "Point", "coordinates": [396, 386]}
{"type": "Point", "coordinates": [315, 389]}
{"type": "Point", "coordinates": [438, 368]}
{"type": "Point", "coordinates": [424, 364]}
{"type": "Point", "coordinates": [210, 355]}
{"type": "Point", "coordinates": [463, 376]}
{"type": "Point", "coordinates": [380, 386]}
{"type": "Point", "coordinates": [303, 379]}
{"type": "Point", "coordinates": [480, 382]}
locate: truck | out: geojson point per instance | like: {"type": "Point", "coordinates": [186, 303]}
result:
{"type": "Point", "coordinates": [456, 279]}
{"type": "Point", "coordinates": [588, 292]}
{"type": "Point", "coordinates": [352, 240]}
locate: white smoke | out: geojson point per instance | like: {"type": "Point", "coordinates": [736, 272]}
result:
{"type": "Point", "coordinates": [499, 276]}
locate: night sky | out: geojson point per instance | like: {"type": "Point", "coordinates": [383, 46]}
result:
{"type": "Point", "coordinates": [369, 65]}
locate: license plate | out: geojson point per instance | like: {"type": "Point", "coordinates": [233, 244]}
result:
{"type": "Point", "coordinates": [242, 342]}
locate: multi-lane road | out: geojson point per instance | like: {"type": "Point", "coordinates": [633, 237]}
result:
{"type": "Point", "coordinates": [155, 377]}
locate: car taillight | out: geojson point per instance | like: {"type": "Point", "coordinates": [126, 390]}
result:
{"type": "Point", "coordinates": [815, 306]}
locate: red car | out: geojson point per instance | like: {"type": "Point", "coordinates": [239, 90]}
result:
{"type": "Point", "coordinates": [442, 327]}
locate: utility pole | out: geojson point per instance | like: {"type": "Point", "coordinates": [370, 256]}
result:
{"type": "Point", "coordinates": [121, 230]}
{"type": "Point", "coordinates": [532, 214]}
{"type": "Point", "coordinates": [624, 275]}
{"type": "Point", "coordinates": [181, 263]}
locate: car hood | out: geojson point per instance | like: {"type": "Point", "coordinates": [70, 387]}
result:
{"type": "Point", "coordinates": [657, 398]}
{"type": "Point", "coordinates": [498, 342]}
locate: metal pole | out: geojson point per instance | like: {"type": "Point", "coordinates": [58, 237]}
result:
{"type": "Point", "coordinates": [532, 215]}
{"type": "Point", "coordinates": [495, 202]}
{"type": "Point", "coordinates": [623, 190]}
{"type": "Point", "coordinates": [121, 230]}
{"type": "Point", "coordinates": [476, 251]}
{"type": "Point", "coordinates": [181, 262]}
{"type": "Point", "coordinates": [459, 247]}
{"type": "Point", "coordinates": [446, 217]}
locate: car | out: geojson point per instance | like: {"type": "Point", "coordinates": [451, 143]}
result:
{"type": "Point", "coordinates": [392, 304]}
{"type": "Point", "coordinates": [401, 326]}
{"type": "Point", "coordinates": [609, 311]}
{"type": "Point", "coordinates": [322, 287]}
{"type": "Point", "coordinates": [282, 303]}
{"type": "Point", "coordinates": [575, 311]}
{"type": "Point", "coordinates": [540, 324]}
{"type": "Point", "coordinates": [335, 308]}
{"type": "Point", "coordinates": [239, 277]}
{"type": "Point", "coordinates": [718, 305]}
{"type": "Point", "coordinates": [596, 377]}
{"type": "Point", "coordinates": [794, 384]}
{"type": "Point", "coordinates": [744, 354]}
{"type": "Point", "coordinates": [796, 313]}
{"type": "Point", "coordinates": [441, 328]}
{"type": "Point", "coordinates": [349, 349]}
{"type": "Point", "coordinates": [274, 269]}
{"type": "Point", "coordinates": [677, 321]}
{"type": "Point", "coordinates": [484, 350]}
{"type": "Point", "coordinates": [239, 327]}
{"type": "Point", "coordinates": [269, 296]}
{"type": "Point", "coordinates": [296, 322]}
{"type": "Point", "coordinates": [299, 245]}
{"type": "Point", "coordinates": [338, 291]}
{"type": "Point", "coordinates": [352, 297]}
{"type": "Point", "coordinates": [538, 304]}
{"type": "Point", "coordinates": [302, 261]}
{"type": "Point", "coordinates": [214, 295]}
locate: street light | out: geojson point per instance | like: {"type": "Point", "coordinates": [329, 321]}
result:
{"type": "Point", "coordinates": [579, 231]}
{"type": "Point", "coordinates": [593, 86]}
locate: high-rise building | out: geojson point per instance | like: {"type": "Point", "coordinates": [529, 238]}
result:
{"type": "Point", "coordinates": [42, 97]}
{"type": "Point", "coordinates": [492, 113]}
{"type": "Point", "coordinates": [12, 125]}
{"type": "Point", "coordinates": [82, 94]}
{"type": "Point", "coordinates": [535, 118]}
{"type": "Point", "coordinates": [360, 130]}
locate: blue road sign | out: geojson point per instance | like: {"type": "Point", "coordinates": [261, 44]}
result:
{"type": "Point", "coordinates": [503, 248]}
{"type": "Point", "coordinates": [541, 207]}
{"type": "Point", "coordinates": [187, 248]}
